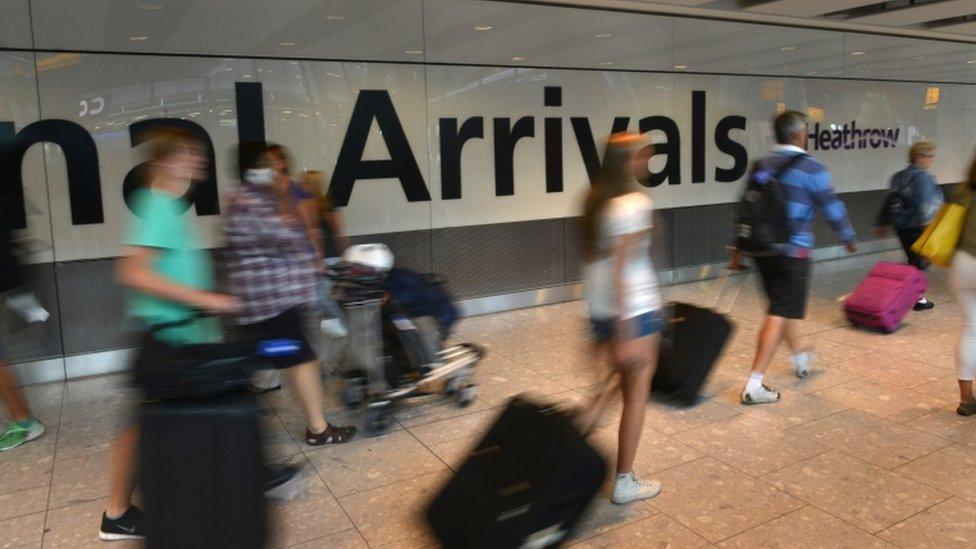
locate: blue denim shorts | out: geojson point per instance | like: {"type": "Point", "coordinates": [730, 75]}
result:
{"type": "Point", "coordinates": [646, 324]}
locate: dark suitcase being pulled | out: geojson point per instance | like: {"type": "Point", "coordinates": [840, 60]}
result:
{"type": "Point", "coordinates": [202, 473]}
{"type": "Point", "coordinates": [690, 347]}
{"type": "Point", "coordinates": [526, 484]}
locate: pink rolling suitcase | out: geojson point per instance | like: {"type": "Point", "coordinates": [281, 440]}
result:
{"type": "Point", "coordinates": [884, 298]}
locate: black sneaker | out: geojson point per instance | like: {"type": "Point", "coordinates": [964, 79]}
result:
{"type": "Point", "coordinates": [919, 306]}
{"type": "Point", "coordinates": [128, 526]}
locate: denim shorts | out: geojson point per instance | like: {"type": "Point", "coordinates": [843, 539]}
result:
{"type": "Point", "coordinates": [646, 324]}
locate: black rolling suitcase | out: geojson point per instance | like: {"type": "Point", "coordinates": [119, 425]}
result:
{"type": "Point", "coordinates": [691, 344]}
{"type": "Point", "coordinates": [526, 484]}
{"type": "Point", "coordinates": [202, 474]}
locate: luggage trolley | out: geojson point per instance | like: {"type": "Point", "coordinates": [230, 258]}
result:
{"type": "Point", "coordinates": [373, 378]}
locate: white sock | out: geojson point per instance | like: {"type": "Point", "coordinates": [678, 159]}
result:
{"type": "Point", "coordinates": [922, 300]}
{"type": "Point", "coordinates": [801, 359]}
{"type": "Point", "coordinates": [755, 382]}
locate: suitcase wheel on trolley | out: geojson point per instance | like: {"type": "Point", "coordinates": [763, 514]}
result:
{"type": "Point", "coordinates": [354, 388]}
{"type": "Point", "coordinates": [378, 419]}
{"type": "Point", "coordinates": [462, 389]}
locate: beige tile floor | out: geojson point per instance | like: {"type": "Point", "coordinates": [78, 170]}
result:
{"type": "Point", "coordinates": [866, 452]}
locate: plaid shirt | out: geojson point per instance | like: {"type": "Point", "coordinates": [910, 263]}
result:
{"type": "Point", "coordinates": [270, 263]}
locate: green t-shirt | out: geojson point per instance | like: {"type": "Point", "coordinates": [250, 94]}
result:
{"type": "Point", "coordinates": [159, 224]}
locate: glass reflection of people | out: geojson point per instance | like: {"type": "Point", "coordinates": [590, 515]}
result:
{"type": "Point", "coordinates": [170, 279]}
{"type": "Point", "coordinates": [333, 241]}
{"type": "Point", "coordinates": [273, 268]}
{"type": "Point", "coordinates": [23, 426]}
{"type": "Point", "coordinates": [624, 301]}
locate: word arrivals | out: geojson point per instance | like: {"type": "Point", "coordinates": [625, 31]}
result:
{"type": "Point", "coordinates": [85, 186]}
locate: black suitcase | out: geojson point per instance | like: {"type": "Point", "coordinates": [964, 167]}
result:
{"type": "Point", "coordinates": [527, 482]}
{"type": "Point", "coordinates": [691, 344]}
{"type": "Point", "coordinates": [202, 473]}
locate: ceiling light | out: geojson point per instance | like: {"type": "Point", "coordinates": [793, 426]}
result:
{"type": "Point", "coordinates": [138, 38]}
{"type": "Point", "coordinates": [607, 63]}
{"type": "Point", "coordinates": [248, 76]}
{"type": "Point", "coordinates": [681, 67]}
{"type": "Point", "coordinates": [971, 62]}
{"type": "Point", "coordinates": [858, 52]}
{"type": "Point", "coordinates": [151, 7]}
{"type": "Point", "coordinates": [811, 73]}
{"type": "Point", "coordinates": [787, 48]}
{"type": "Point", "coordinates": [518, 58]}
{"type": "Point", "coordinates": [285, 112]}
{"type": "Point", "coordinates": [604, 35]}
{"type": "Point", "coordinates": [483, 28]}
{"type": "Point", "coordinates": [919, 58]}
{"type": "Point", "coordinates": [414, 52]}
{"type": "Point", "coordinates": [286, 44]}
{"type": "Point", "coordinates": [335, 17]}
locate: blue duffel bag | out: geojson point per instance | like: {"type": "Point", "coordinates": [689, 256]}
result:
{"type": "Point", "coordinates": [422, 295]}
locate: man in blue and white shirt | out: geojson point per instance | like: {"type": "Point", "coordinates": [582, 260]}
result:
{"type": "Point", "coordinates": [786, 278]}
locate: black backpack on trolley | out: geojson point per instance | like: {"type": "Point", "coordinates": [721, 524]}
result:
{"type": "Point", "coordinates": [762, 222]}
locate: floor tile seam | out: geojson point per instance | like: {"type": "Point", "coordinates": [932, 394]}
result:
{"type": "Point", "coordinates": [310, 464]}
{"type": "Point", "coordinates": [318, 538]}
{"type": "Point", "coordinates": [654, 512]}
{"type": "Point", "coordinates": [950, 496]}
{"type": "Point", "coordinates": [759, 476]}
{"type": "Point", "coordinates": [777, 517]}
{"type": "Point", "coordinates": [50, 492]}
{"type": "Point", "coordinates": [913, 515]}
{"type": "Point", "coordinates": [355, 526]}
{"type": "Point", "coordinates": [950, 444]}
{"type": "Point", "coordinates": [384, 484]}
{"type": "Point", "coordinates": [865, 462]}
{"type": "Point", "coordinates": [338, 503]}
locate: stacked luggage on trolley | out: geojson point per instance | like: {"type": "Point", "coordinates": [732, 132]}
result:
{"type": "Point", "coordinates": [398, 322]}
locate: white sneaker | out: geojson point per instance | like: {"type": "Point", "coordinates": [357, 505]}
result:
{"type": "Point", "coordinates": [333, 327]}
{"type": "Point", "coordinates": [629, 488]}
{"type": "Point", "coordinates": [803, 363]}
{"type": "Point", "coordinates": [762, 395]}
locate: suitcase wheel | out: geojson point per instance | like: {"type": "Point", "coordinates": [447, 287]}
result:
{"type": "Point", "coordinates": [377, 422]}
{"type": "Point", "coordinates": [354, 393]}
{"type": "Point", "coordinates": [466, 395]}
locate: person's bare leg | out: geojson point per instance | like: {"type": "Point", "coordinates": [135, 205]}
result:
{"type": "Point", "coordinates": [589, 415]}
{"type": "Point", "coordinates": [792, 338]}
{"type": "Point", "coordinates": [769, 340]}
{"type": "Point", "coordinates": [122, 474]}
{"type": "Point", "coordinates": [11, 395]}
{"type": "Point", "coordinates": [306, 381]}
{"type": "Point", "coordinates": [966, 392]}
{"type": "Point", "coordinates": [635, 389]}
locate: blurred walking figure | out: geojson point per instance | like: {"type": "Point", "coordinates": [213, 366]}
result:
{"type": "Point", "coordinates": [23, 426]}
{"type": "Point", "coordinates": [912, 203]}
{"type": "Point", "coordinates": [170, 280]}
{"type": "Point", "coordinates": [963, 281]}
{"type": "Point", "coordinates": [272, 266]}
{"type": "Point", "coordinates": [624, 301]}
{"type": "Point", "coordinates": [305, 204]}
{"type": "Point", "coordinates": [806, 186]}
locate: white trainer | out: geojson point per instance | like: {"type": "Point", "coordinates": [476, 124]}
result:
{"type": "Point", "coordinates": [803, 363]}
{"type": "Point", "coordinates": [761, 395]}
{"type": "Point", "coordinates": [629, 488]}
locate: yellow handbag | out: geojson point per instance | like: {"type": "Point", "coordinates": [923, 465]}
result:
{"type": "Point", "coordinates": [938, 242]}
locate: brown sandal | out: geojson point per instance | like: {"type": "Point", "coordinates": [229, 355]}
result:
{"type": "Point", "coordinates": [331, 435]}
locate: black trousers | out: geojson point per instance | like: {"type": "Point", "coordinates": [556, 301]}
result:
{"type": "Point", "coordinates": [907, 238]}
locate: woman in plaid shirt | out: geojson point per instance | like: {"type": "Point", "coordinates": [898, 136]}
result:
{"type": "Point", "coordinates": [272, 268]}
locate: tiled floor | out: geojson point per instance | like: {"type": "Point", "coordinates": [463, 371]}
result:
{"type": "Point", "coordinates": [866, 452]}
